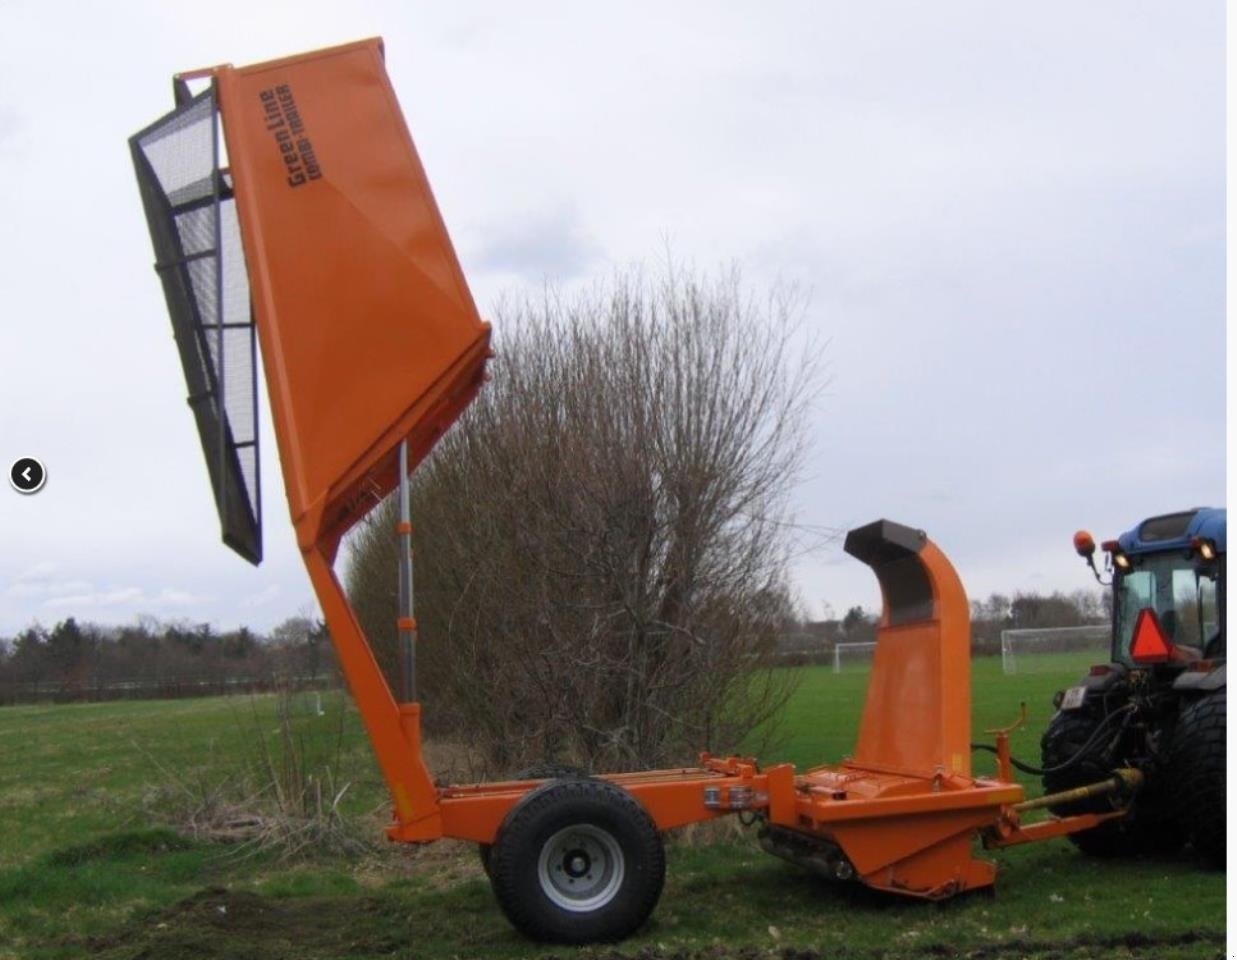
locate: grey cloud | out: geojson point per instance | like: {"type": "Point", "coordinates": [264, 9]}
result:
{"type": "Point", "coordinates": [549, 241]}
{"type": "Point", "coordinates": [9, 123]}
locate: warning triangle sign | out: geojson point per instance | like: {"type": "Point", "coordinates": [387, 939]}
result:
{"type": "Point", "coordinates": [1150, 645]}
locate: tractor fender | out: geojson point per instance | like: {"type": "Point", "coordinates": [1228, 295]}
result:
{"type": "Point", "coordinates": [1201, 681]}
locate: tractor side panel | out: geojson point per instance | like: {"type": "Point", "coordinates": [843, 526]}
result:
{"type": "Point", "coordinates": [368, 331]}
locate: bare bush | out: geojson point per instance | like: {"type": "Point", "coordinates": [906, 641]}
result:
{"type": "Point", "coordinates": [602, 540]}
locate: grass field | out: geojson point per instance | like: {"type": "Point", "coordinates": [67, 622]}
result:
{"type": "Point", "coordinates": [85, 869]}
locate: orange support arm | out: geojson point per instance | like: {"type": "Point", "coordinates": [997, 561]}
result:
{"type": "Point", "coordinates": [394, 730]}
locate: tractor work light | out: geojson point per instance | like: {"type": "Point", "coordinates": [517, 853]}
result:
{"type": "Point", "coordinates": [1121, 560]}
{"type": "Point", "coordinates": [1206, 549]}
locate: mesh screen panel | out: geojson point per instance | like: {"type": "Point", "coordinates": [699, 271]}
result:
{"type": "Point", "coordinates": [200, 260]}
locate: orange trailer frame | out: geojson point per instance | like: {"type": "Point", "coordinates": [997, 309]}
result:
{"type": "Point", "coordinates": [372, 345]}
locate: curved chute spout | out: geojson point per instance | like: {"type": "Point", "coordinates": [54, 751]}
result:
{"type": "Point", "coordinates": [917, 717]}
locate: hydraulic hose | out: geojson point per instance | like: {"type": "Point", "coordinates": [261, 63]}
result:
{"type": "Point", "coordinates": [1082, 751]}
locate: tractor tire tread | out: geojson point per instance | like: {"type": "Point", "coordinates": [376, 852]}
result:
{"type": "Point", "coordinates": [1147, 830]}
{"type": "Point", "coordinates": [1197, 762]}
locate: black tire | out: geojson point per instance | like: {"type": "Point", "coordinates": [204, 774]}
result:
{"type": "Point", "coordinates": [578, 861]}
{"type": "Point", "coordinates": [1197, 770]}
{"type": "Point", "coordinates": [538, 771]}
{"type": "Point", "coordinates": [1147, 828]}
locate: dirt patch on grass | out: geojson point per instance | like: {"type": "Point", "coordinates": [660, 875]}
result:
{"type": "Point", "coordinates": [245, 926]}
{"type": "Point", "coordinates": [217, 923]}
{"type": "Point", "coordinates": [1130, 947]}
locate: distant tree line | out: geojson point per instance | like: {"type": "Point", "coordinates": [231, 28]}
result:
{"type": "Point", "coordinates": [814, 640]}
{"type": "Point", "coordinates": [86, 661]}
{"type": "Point", "coordinates": [148, 659]}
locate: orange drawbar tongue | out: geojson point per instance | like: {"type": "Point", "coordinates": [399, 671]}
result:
{"type": "Point", "coordinates": [1150, 645]}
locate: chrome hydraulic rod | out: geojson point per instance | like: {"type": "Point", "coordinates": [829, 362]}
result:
{"type": "Point", "coordinates": [407, 620]}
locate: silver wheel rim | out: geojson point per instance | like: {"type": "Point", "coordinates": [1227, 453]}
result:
{"type": "Point", "coordinates": [580, 868]}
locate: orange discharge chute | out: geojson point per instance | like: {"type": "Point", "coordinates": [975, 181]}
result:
{"type": "Point", "coordinates": [369, 333]}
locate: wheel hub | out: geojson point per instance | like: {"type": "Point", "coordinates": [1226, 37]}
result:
{"type": "Point", "coordinates": [577, 863]}
{"type": "Point", "coordinates": [581, 868]}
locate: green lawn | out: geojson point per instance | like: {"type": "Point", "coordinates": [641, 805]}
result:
{"type": "Point", "coordinates": [84, 868]}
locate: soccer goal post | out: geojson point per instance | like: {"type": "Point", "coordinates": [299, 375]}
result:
{"type": "Point", "coordinates": [857, 654]}
{"type": "Point", "coordinates": [1054, 648]}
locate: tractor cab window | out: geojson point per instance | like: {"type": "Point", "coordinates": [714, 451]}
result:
{"type": "Point", "coordinates": [1184, 598]}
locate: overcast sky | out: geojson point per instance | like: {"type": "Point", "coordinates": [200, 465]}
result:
{"type": "Point", "coordinates": [1010, 218]}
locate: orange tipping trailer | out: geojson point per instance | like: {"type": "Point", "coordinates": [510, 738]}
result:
{"type": "Point", "coordinates": [288, 209]}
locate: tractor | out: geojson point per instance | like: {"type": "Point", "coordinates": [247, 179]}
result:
{"type": "Point", "coordinates": [1158, 705]}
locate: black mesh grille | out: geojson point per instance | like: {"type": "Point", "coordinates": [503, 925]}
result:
{"type": "Point", "coordinates": [199, 258]}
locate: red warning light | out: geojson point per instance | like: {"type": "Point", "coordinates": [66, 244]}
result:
{"type": "Point", "coordinates": [1150, 645]}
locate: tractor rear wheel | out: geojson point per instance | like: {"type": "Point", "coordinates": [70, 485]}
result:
{"type": "Point", "coordinates": [538, 771]}
{"type": "Point", "coordinates": [1197, 768]}
{"type": "Point", "coordinates": [1147, 828]}
{"type": "Point", "coordinates": [578, 861]}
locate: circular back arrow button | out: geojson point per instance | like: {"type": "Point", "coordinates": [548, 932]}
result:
{"type": "Point", "coordinates": [27, 475]}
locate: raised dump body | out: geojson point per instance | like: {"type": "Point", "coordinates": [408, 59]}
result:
{"type": "Point", "coordinates": [369, 335]}
{"type": "Point", "coordinates": [287, 200]}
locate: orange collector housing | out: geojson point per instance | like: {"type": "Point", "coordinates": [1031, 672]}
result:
{"type": "Point", "coordinates": [287, 207]}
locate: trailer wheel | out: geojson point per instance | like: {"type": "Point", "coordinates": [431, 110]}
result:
{"type": "Point", "coordinates": [578, 861]}
{"type": "Point", "coordinates": [1147, 828]}
{"type": "Point", "coordinates": [1197, 769]}
{"type": "Point", "coordinates": [538, 771]}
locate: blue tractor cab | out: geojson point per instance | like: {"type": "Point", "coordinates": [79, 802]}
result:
{"type": "Point", "coordinates": [1173, 565]}
{"type": "Point", "coordinates": [1160, 704]}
